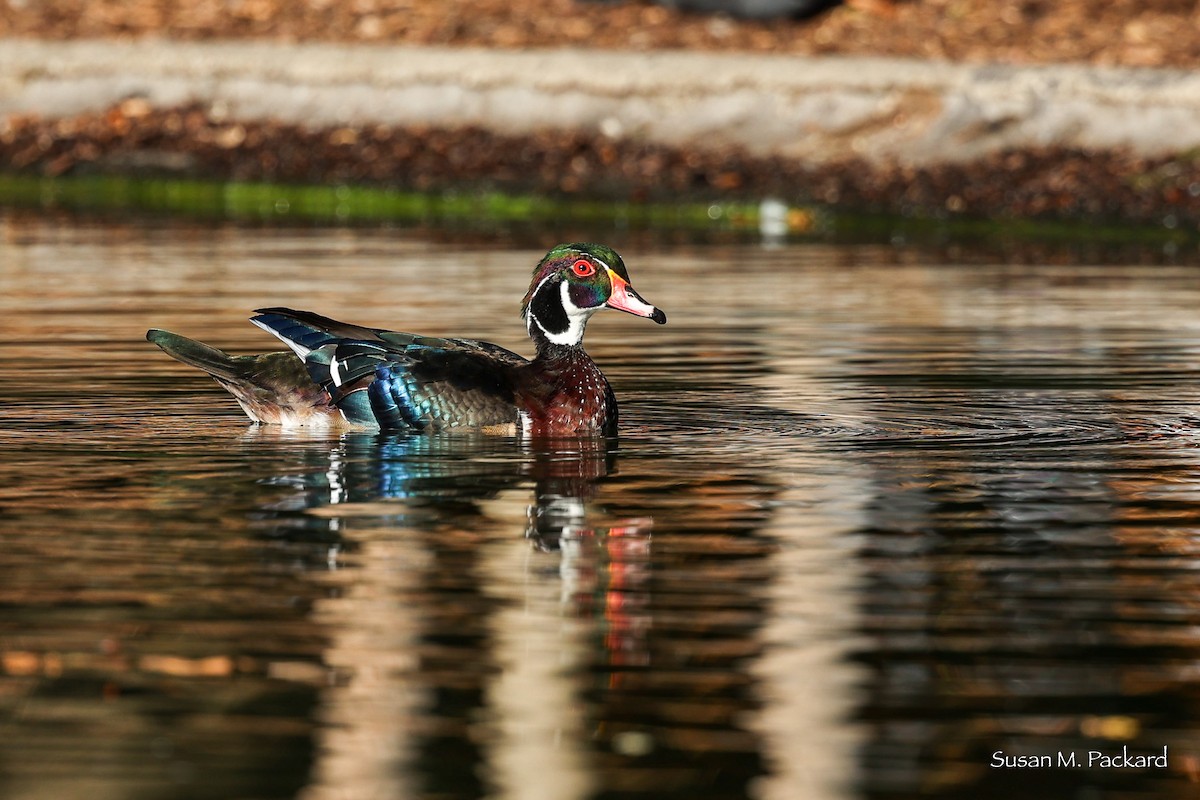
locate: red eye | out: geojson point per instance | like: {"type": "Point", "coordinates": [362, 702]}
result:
{"type": "Point", "coordinates": [584, 269]}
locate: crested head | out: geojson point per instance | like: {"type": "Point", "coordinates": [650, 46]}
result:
{"type": "Point", "coordinates": [563, 256]}
{"type": "Point", "coordinates": [574, 281]}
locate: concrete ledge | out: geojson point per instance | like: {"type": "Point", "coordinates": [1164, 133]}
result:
{"type": "Point", "coordinates": [886, 111]}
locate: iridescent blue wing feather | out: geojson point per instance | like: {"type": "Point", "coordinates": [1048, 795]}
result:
{"type": "Point", "coordinates": [433, 384]}
{"type": "Point", "coordinates": [401, 380]}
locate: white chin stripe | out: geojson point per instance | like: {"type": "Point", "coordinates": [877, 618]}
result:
{"type": "Point", "coordinates": [576, 320]}
{"type": "Point", "coordinates": [577, 316]}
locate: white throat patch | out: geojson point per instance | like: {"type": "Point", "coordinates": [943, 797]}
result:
{"type": "Point", "coordinates": [576, 318]}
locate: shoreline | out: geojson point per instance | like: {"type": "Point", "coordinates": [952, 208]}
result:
{"type": "Point", "coordinates": [910, 138]}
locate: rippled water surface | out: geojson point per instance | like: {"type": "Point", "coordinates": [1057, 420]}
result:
{"type": "Point", "coordinates": [873, 518]}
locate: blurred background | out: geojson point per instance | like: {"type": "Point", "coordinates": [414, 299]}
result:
{"type": "Point", "coordinates": [861, 136]}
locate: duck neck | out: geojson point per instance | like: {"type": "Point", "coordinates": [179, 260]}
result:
{"type": "Point", "coordinates": [549, 352]}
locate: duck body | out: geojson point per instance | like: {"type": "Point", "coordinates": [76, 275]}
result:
{"type": "Point", "coordinates": [563, 392]}
{"type": "Point", "coordinates": [342, 375]}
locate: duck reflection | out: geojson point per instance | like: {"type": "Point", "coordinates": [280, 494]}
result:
{"type": "Point", "coordinates": [401, 477]}
{"type": "Point", "coordinates": [499, 618]}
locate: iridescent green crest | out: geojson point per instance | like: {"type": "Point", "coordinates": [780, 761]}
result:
{"type": "Point", "coordinates": [564, 255]}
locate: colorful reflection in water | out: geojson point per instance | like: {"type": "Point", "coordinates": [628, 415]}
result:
{"type": "Point", "coordinates": [874, 516]}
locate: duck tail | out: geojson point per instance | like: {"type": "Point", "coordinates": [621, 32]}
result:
{"type": "Point", "coordinates": [215, 362]}
{"type": "Point", "coordinates": [271, 387]}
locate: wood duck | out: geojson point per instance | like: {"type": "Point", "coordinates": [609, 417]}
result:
{"type": "Point", "coordinates": [338, 374]}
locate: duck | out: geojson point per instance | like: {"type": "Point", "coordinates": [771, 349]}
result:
{"type": "Point", "coordinates": [340, 375]}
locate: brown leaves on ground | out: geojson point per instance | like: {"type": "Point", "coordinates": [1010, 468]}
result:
{"type": "Point", "coordinates": [133, 137]}
{"type": "Point", "coordinates": [1126, 32]}
{"type": "Point", "coordinates": [1050, 183]}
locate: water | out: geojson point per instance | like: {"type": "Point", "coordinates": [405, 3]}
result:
{"type": "Point", "coordinates": [874, 516]}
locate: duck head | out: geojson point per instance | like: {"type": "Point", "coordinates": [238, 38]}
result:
{"type": "Point", "coordinates": [573, 282]}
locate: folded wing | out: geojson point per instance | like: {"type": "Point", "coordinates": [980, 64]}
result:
{"type": "Point", "coordinates": [401, 380]}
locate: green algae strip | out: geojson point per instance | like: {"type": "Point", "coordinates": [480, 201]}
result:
{"type": "Point", "coordinates": [347, 204]}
